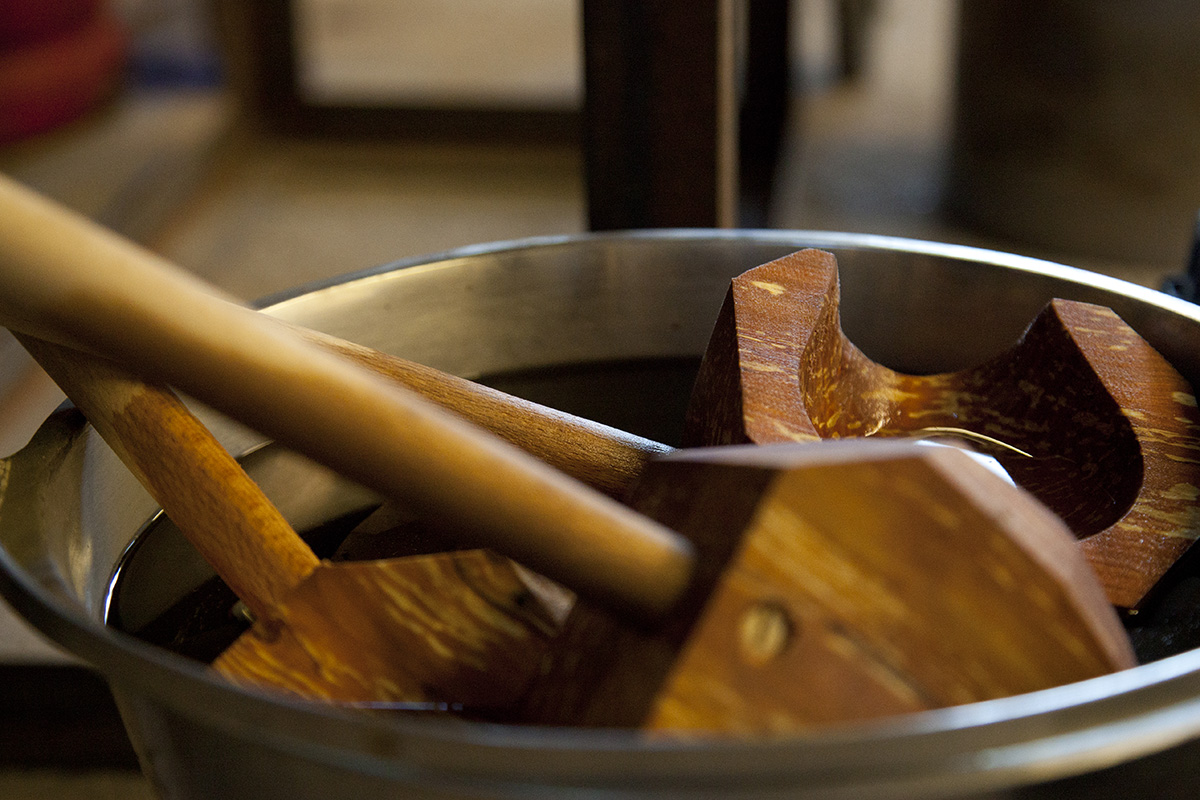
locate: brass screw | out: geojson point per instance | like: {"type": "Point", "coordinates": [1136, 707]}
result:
{"type": "Point", "coordinates": [765, 630]}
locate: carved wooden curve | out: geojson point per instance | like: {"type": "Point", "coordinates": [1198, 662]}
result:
{"type": "Point", "coordinates": [1082, 411]}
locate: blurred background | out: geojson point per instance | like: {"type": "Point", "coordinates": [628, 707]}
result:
{"type": "Point", "coordinates": [265, 144]}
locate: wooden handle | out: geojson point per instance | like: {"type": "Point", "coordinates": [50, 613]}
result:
{"type": "Point", "coordinates": [68, 280]}
{"type": "Point", "coordinates": [204, 491]}
{"type": "Point", "coordinates": [603, 457]}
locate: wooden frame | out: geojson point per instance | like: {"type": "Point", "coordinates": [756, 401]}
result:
{"type": "Point", "coordinates": [260, 51]}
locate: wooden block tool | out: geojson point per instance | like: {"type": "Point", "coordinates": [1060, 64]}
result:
{"type": "Point", "coordinates": [1081, 411]}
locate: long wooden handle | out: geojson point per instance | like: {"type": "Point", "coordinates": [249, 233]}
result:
{"type": "Point", "coordinates": [200, 486]}
{"type": "Point", "coordinates": [68, 280]}
{"type": "Point", "coordinates": [601, 456]}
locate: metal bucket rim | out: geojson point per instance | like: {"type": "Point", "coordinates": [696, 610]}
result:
{"type": "Point", "coordinates": [1128, 714]}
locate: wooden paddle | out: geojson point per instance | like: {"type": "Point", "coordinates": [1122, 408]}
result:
{"type": "Point", "coordinates": [134, 307]}
{"type": "Point", "coordinates": [1082, 411]}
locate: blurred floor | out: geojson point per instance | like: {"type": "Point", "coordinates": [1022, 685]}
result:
{"type": "Point", "coordinates": [57, 785]}
{"type": "Point", "coordinates": [278, 215]}
{"type": "Point", "coordinates": [258, 215]}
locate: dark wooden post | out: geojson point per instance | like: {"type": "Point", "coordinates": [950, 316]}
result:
{"type": "Point", "coordinates": [660, 113]}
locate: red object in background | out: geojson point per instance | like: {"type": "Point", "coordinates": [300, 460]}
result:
{"type": "Point", "coordinates": [29, 21]}
{"type": "Point", "coordinates": [58, 59]}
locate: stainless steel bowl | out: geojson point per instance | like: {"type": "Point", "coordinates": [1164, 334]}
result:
{"type": "Point", "coordinates": [69, 511]}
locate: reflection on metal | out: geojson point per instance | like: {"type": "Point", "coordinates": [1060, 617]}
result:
{"type": "Point", "coordinates": [934, 431]}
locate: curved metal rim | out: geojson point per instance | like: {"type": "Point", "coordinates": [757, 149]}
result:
{"type": "Point", "coordinates": [809, 238]}
{"type": "Point", "coordinates": [1096, 723]}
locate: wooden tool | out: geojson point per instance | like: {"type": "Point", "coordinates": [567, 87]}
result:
{"type": "Point", "coordinates": [402, 632]}
{"type": "Point", "coordinates": [1082, 412]}
{"type": "Point", "coordinates": [132, 306]}
{"type": "Point", "coordinates": [838, 581]}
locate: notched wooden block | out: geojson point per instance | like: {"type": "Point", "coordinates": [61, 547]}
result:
{"type": "Point", "coordinates": [839, 581]}
{"type": "Point", "coordinates": [1081, 411]}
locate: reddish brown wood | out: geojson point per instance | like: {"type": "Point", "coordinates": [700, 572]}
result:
{"type": "Point", "coordinates": [215, 504]}
{"type": "Point", "coordinates": [1110, 428]}
{"type": "Point", "coordinates": [840, 582]}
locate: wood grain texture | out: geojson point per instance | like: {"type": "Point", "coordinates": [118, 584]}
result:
{"type": "Point", "coordinates": [199, 485]}
{"type": "Point", "coordinates": [463, 631]}
{"type": "Point", "coordinates": [1107, 431]}
{"type": "Point", "coordinates": [746, 390]}
{"type": "Point", "coordinates": [601, 456]}
{"type": "Point", "coordinates": [853, 581]}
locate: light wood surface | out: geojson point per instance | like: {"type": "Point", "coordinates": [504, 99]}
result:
{"type": "Point", "coordinates": [461, 632]}
{"type": "Point", "coordinates": [199, 485]}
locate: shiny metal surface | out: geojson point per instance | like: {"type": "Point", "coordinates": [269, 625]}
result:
{"type": "Point", "coordinates": [69, 511]}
